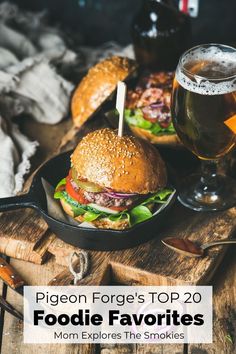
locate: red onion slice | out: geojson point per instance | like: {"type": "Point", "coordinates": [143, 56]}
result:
{"type": "Point", "coordinates": [157, 105]}
{"type": "Point", "coordinates": [74, 185]}
{"type": "Point", "coordinates": [120, 195]}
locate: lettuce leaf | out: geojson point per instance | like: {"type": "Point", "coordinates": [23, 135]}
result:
{"type": "Point", "coordinates": [120, 216]}
{"type": "Point", "coordinates": [61, 183]}
{"type": "Point", "coordinates": [57, 194]}
{"type": "Point", "coordinates": [136, 215]}
{"type": "Point", "coordinates": [91, 215]}
{"type": "Point", "coordinates": [160, 197]}
{"type": "Point", "coordinates": [135, 118]}
{"type": "Point", "coordinates": [139, 213]}
{"type": "Point", "coordinates": [78, 210]}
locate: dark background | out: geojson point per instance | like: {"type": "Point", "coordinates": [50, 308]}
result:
{"type": "Point", "coordinates": [96, 21]}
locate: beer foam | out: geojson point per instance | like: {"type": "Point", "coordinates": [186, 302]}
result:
{"type": "Point", "coordinates": [219, 62]}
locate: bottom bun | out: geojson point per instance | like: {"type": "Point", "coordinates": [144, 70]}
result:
{"type": "Point", "coordinates": [106, 223]}
{"type": "Point", "coordinates": [168, 139]}
{"type": "Point", "coordinates": [103, 223]}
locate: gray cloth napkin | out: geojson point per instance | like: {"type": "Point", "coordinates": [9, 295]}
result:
{"type": "Point", "coordinates": [29, 84]}
{"type": "Point", "coordinates": [30, 52]}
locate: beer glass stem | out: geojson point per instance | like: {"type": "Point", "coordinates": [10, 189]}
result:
{"type": "Point", "coordinates": [208, 190]}
{"type": "Point", "coordinates": [209, 180]}
{"type": "Point", "coordinates": [208, 186]}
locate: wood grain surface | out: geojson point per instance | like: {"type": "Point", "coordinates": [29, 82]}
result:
{"type": "Point", "coordinates": [224, 284]}
{"type": "Point", "coordinates": [152, 262]}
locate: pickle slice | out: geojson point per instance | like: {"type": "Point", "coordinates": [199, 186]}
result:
{"type": "Point", "coordinates": [87, 186]}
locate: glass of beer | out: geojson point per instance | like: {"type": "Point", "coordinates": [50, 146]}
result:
{"type": "Point", "coordinates": [204, 116]}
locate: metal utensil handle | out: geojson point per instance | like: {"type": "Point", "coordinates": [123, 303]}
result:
{"type": "Point", "coordinates": [9, 308]}
{"type": "Point", "coordinates": [17, 202]}
{"type": "Point", "coordinates": [215, 243]}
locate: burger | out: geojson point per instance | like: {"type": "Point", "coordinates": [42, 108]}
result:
{"type": "Point", "coordinates": [148, 109]}
{"type": "Point", "coordinates": [114, 182]}
{"type": "Point", "coordinates": [95, 88]}
{"type": "Point", "coordinates": [98, 85]}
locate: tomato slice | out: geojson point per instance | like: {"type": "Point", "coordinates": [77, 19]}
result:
{"type": "Point", "coordinates": [120, 208]}
{"type": "Point", "coordinates": [75, 194]}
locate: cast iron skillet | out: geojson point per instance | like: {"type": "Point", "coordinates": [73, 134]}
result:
{"type": "Point", "coordinates": [89, 238]}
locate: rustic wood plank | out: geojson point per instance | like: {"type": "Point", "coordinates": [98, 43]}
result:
{"type": "Point", "coordinates": [61, 251]}
{"type": "Point", "coordinates": [224, 308]}
{"type": "Point", "coordinates": [13, 329]}
{"type": "Point", "coordinates": [130, 271]}
{"type": "Point", "coordinates": [159, 349]}
{"type": "Point", "coordinates": [224, 300]}
{"type": "Point", "coordinates": [155, 258]}
{"type": "Point", "coordinates": [118, 349]}
{"type": "Point", "coordinates": [152, 263]}
{"type": "Point", "coordinates": [224, 304]}
{"type": "Point", "coordinates": [16, 240]}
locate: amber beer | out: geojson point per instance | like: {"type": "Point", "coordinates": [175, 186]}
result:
{"type": "Point", "coordinates": [204, 102]}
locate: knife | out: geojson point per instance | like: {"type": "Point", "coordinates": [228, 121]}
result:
{"type": "Point", "coordinates": [10, 277]}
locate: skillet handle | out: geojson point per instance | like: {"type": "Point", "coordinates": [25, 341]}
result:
{"type": "Point", "coordinates": [18, 202]}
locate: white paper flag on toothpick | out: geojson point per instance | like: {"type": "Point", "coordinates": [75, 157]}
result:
{"type": "Point", "coordinates": [120, 105]}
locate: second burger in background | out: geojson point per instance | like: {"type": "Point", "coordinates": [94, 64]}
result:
{"type": "Point", "coordinates": [114, 182]}
{"type": "Point", "coordinates": [148, 109]}
{"type": "Point", "coordinates": [147, 106]}
{"type": "Point", "coordinates": [98, 85]}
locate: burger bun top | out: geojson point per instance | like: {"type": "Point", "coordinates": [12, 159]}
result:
{"type": "Point", "coordinates": [123, 164]}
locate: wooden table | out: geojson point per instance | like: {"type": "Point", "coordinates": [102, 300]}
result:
{"type": "Point", "coordinates": [224, 283]}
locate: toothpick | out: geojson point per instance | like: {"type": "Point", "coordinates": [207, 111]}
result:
{"type": "Point", "coordinates": [120, 105]}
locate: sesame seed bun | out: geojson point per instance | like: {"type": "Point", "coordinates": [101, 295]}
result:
{"type": "Point", "coordinates": [125, 164]}
{"type": "Point", "coordinates": [98, 85]}
{"type": "Point", "coordinates": [164, 140]}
